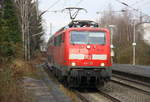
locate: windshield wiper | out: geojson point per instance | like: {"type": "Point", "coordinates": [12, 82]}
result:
{"type": "Point", "coordinates": [73, 43]}
{"type": "Point", "coordinates": [102, 44]}
{"type": "Point", "coordinates": [88, 43]}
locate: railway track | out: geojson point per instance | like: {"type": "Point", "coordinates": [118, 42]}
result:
{"type": "Point", "coordinates": [113, 99]}
{"type": "Point", "coordinates": [131, 80]}
{"type": "Point", "coordinates": [133, 84]}
{"type": "Point", "coordinates": [132, 76]}
{"type": "Point", "coordinates": [101, 93]}
{"type": "Point", "coordinates": [81, 97]}
{"type": "Point", "coordinates": [105, 95]}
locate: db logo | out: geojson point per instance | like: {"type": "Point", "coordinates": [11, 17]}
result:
{"type": "Point", "coordinates": [88, 57]}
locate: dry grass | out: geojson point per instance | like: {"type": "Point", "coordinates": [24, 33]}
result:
{"type": "Point", "coordinates": [22, 68]}
{"type": "Point", "coordinates": [11, 89]}
{"type": "Point", "coordinates": [10, 86]}
{"type": "Point", "coordinates": [69, 93]}
{"type": "Point", "coordinates": [124, 54]}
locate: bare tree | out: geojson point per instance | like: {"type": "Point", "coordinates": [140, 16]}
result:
{"type": "Point", "coordinates": [30, 25]}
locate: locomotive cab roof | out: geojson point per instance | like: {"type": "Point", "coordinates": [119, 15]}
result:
{"type": "Point", "coordinates": [80, 23]}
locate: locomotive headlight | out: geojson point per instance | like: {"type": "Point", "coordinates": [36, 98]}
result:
{"type": "Point", "coordinates": [88, 46]}
{"type": "Point", "coordinates": [102, 64]}
{"type": "Point", "coordinates": [73, 64]}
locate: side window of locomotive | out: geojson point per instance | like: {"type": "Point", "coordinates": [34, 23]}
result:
{"type": "Point", "coordinates": [58, 40]}
{"type": "Point", "coordinates": [63, 37]}
{"type": "Point", "coordinates": [55, 41]}
{"type": "Point", "coordinates": [52, 41]}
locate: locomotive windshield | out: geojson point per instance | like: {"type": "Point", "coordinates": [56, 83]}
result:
{"type": "Point", "coordinates": [85, 37]}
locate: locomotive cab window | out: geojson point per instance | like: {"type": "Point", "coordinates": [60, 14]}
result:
{"type": "Point", "coordinates": [58, 40]}
{"type": "Point", "coordinates": [85, 37]}
{"type": "Point", "coordinates": [62, 37]}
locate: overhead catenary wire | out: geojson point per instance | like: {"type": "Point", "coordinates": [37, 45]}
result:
{"type": "Point", "coordinates": [55, 11]}
{"type": "Point", "coordinates": [138, 2]}
{"type": "Point", "coordinates": [78, 3]}
{"type": "Point", "coordinates": [137, 10]}
{"type": "Point", "coordinates": [125, 4]}
{"type": "Point", "coordinates": [55, 3]}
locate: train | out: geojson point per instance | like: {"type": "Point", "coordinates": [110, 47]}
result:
{"type": "Point", "coordinates": [79, 54]}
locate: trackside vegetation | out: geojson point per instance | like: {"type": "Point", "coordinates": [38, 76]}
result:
{"type": "Point", "coordinates": [10, 34]}
{"type": "Point", "coordinates": [123, 31]}
{"type": "Point", "coordinates": [13, 67]}
{"type": "Point", "coordinates": [10, 40]}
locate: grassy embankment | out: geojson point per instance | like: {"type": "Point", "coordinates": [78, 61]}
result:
{"type": "Point", "coordinates": [12, 66]}
{"type": "Point", "coordinates": [12, 72]}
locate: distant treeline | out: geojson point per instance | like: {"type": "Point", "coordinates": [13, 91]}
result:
{"type": "Point", "coordinates": [123, 36]}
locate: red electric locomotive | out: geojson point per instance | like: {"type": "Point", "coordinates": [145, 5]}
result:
{"type": "Point", "coordinates": [79, 54]}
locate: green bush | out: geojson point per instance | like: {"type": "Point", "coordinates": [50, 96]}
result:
{"type": "Point", "coordinates": [124, 54]}
{"type": "Point", "coordinates": [142, 53]}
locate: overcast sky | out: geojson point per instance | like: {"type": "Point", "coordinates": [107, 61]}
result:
{"type": "Point", "coordinates": [58, 19]}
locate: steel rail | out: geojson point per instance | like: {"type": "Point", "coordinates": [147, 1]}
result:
{"type": "Point", "coordinates": [131, 80]}
{"type": "Point", "coordinates": [133, 76]}
{"type": "Point", "coordinates": [132, 87]}
{"type": "Point", "coordinates": [81, 97]}
{"type": "Point", "coordinates": [109, 96]}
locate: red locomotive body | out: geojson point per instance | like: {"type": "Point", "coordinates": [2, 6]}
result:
{"type": "Point", "coordinates": [80, 55]}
